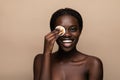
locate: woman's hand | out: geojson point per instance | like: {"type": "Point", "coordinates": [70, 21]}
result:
{"type": "Point", "coordinates": [50, 39]}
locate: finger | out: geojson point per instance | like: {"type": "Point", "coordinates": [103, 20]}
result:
{"type": "Point", "coordinates": [53, 33]}
{"type": "Point", "coordinates": [53, 38]}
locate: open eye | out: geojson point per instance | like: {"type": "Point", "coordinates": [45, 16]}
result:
{"type": "Point", "coordinates": [73, 29]}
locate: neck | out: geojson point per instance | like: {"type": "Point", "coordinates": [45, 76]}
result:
{"type": "Point", "coordinates": [67, 52]}
{"type": "Point", "coordinates": [61, 54]}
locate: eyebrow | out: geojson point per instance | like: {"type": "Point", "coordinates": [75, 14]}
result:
{"type": "Point", "coordinates": [74, 25]}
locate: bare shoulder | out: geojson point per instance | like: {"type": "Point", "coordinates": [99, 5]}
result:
{"type": "Point", "coordinates": [95, 68]}
{"type": "Point", "coordinates": [89, 60]}
{"type": "Point", "coordinates": [95, 65]}
{"type": "Point", "coordinates": [38, 58]}
{"type": "Point", "coordinates": [37, 66]}
{"type": "Point", "coordinates": [93, 60]}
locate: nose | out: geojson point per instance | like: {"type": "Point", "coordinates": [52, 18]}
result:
{"type": "Point", "coordinates": [67, 33]}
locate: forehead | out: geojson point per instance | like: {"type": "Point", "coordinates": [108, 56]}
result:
{"type": "Point", "coordinates": [66, 20]}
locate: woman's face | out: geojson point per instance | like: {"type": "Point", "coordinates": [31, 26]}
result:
{"type": "Point", "coordinates": [68, 41]}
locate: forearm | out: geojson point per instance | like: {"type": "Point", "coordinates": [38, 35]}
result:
{"type": "Point", "coordinates": [46, 67]}
{"type": "Point", "coordinates": [45, 72]}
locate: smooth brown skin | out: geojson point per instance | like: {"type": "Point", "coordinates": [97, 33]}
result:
{"type": "Point", "coordinates": [67, 63]}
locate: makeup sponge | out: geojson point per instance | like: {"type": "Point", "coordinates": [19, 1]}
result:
{"type": "Point", "coordinates": [61, 30]}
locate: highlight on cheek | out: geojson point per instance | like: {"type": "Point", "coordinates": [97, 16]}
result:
{"type": "Point", "coordinates": [61, 30]}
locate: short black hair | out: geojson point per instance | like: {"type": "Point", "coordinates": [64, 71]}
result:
{"type": "Point", "coordinates": [66, 11]}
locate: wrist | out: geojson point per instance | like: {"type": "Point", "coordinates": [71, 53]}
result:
{"type": "Point", "coordinates": [47, 53]}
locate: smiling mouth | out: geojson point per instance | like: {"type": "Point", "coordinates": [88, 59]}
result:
{"type": "Point", "coordinates": [67, 42]}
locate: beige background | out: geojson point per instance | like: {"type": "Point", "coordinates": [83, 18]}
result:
{"type": "Point", "coordinates": [23, 24]}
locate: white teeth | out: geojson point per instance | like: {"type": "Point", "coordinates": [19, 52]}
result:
{"type": "Point", "coordinates": [67, 40]}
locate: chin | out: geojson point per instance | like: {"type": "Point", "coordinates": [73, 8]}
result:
{"type": "Point", "coordinates": [67, 49]}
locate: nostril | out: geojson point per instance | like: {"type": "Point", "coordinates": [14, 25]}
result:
{"type": "Point", "coordinates": [67, 34]}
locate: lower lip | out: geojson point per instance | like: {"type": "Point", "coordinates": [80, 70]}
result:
{"type": "Point", "coordinates": [67, 44]}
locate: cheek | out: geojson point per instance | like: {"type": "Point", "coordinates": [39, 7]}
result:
{"type": "Point", "coordinates": [76, 37]}
{"type": "Point", "coordinates": [76, 34]}
{"type": "Point", "coordinates": [58, 40]}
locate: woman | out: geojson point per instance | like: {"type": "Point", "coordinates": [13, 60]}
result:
{"type": "Point", "coordinates": [67, 63]}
